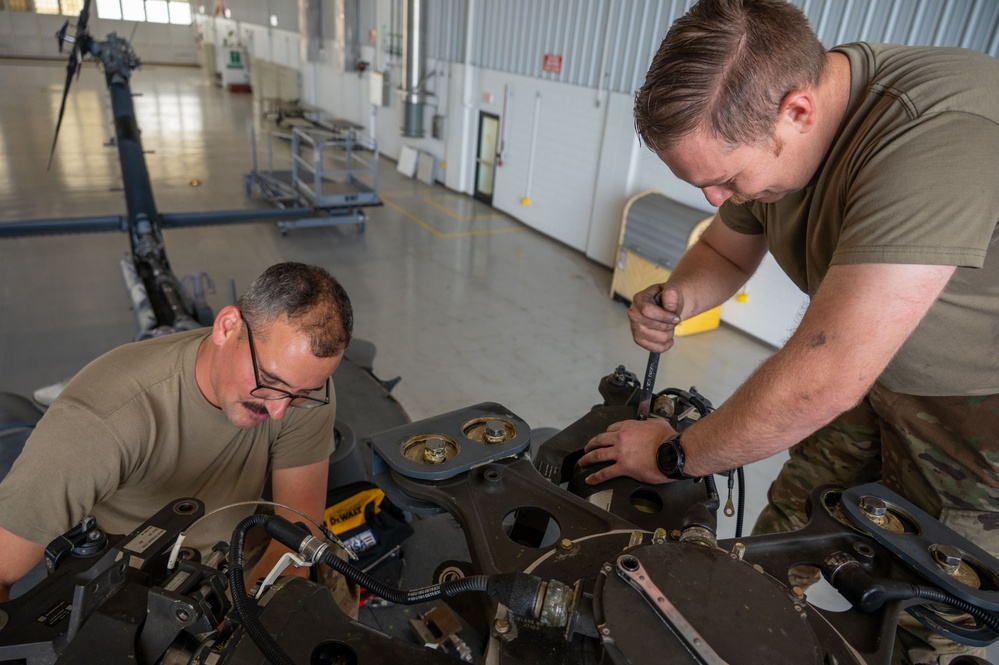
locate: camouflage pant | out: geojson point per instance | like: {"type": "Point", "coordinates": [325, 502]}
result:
{"type": "Point", "coordinates": [941, 453]}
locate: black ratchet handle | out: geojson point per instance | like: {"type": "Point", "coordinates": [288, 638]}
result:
{"type": "Point", "coordinates": [645, 403]}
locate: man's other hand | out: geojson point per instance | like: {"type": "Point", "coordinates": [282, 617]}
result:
{"type": "Point", "coordinates": [631, 446]}
{"type": "Point", "coordinates": [652, 324]}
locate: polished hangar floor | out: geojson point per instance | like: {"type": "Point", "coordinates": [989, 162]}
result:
{"type": "Point", "coordinates": [463, 302]}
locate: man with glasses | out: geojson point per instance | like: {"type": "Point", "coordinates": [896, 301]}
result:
{"type": "Point", "coordinates": [209, 413]}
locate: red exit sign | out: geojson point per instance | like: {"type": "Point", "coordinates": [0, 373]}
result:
{"type": "Point", "coordinates": [552, 63]}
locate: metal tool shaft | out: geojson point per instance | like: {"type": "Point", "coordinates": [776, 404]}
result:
{"type": "Point", "coordinates": [649, 384]}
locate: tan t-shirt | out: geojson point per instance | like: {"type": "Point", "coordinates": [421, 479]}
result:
{"type": "Point", "coordinates": [911, 178]}
{"type": "Point", "coordinates": [132, 432]}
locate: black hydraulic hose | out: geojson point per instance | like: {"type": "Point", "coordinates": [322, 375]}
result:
{"type": "Point", "coordinates": [704, 513]}
{"type": "Point", "coordinates": [517, 591]}
{"type": "Point", "coordinates": [398, 596]}
{"type": "Point", "coordinates": [713, 501]}
{"type": "Point", "coordinates": [740, 514]}
{"type": "Point", "coordinates": [940, 596]}
{"type": "Point", "coordinates": [245, 609]}
{"type": "Point", "coordinates": [869, 594]}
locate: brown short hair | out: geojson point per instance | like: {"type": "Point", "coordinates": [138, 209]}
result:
{"type": "Point", "coordinates": [310, 297]}
{"type": "Point", "coordinates": [726, 65]}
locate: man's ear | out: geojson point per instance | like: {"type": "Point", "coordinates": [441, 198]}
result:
{"type": "Point", "coordinates": [227, 323]}
{"type": "Point", "coordinates": [798, 110]}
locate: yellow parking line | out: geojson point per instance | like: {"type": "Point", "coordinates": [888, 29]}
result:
{"type": "Point", "coordinates": [437, 233]}
{"type": "Point", "coordinates": [460, 218]}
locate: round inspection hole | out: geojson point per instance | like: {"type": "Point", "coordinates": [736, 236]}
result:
{"type": "Point", "coordinates": [531, 527]}
{"type": "Point", "coordinates": [646, 500]}
{"type": "Point", "coordinates": [333, 653]}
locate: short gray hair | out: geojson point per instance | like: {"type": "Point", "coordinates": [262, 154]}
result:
{"type": "Point", "coordinates": [310, 297]}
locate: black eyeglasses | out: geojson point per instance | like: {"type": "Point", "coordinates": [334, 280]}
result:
{"type": "Point", "coordinates": [269, 393]}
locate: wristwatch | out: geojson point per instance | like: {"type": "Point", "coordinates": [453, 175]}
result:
{"type": "Point", "coordinates": [670, 458]}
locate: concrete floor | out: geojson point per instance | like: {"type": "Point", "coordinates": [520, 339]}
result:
{"type": "Point", "coordinates": [464, 303]}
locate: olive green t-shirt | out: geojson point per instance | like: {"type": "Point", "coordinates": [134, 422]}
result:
{"type": "Point", "coordinates": [133, 432]}
{"type": "Point", "coordinates": [911, 178]}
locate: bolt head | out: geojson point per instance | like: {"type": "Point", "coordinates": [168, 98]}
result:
{"type": "Point", "coordinates": [947, 555]}
{"type": "Point", "coordinates": [495, 431]}
{"type": "Point", "coordinates": [873, 506]}
{"type": "Point", "coordinates": [434, 451]}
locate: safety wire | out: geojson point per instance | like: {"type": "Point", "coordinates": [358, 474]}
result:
{"type": "Point", "coordinates": [329, 535]}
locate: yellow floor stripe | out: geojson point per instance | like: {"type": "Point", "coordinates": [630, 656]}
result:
{"type": "Point", "coordinates": [460, 218]}
{"type": "Point", "coordinates": [428, 227]}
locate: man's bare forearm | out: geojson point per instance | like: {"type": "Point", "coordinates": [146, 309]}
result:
{"type": "Point", "coordinates": [781, 403]}
{"type": "Point", "coordinates": [707, 275]}
{"type": "Point", "coordinates": [844, 342]}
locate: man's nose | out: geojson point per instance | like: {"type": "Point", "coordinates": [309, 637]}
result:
{"type": "Point", "coordinates": [717, 195]}
{"type": "Point", "coordinates": [276, 408]}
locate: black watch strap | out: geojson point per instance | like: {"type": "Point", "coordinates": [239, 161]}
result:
{"type": "Point", "coordinates": [670, 458]}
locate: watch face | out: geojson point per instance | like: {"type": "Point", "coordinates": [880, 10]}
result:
{"type": "Point", "coordinates": [668, 459]}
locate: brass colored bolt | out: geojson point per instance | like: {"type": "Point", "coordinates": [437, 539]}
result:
{"type": "Point", "coordinates": [502, 626]}
{"type": "Point", "coordinates": [565, 545]}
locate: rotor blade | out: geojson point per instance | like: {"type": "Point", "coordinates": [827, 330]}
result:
{"type": "Point", "coordinates": [61, 35]}
{"type": "Point", "coordinates": [71, 70]}
{"type": "Point", "coordinates": [81, 26]}
{"type": "Point", "coordinates": [75, 65]}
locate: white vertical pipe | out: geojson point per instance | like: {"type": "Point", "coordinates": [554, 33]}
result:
{"type": "Point", "coordinates": [468, 107]}
{"type": "Point", "coordinates": [603, 57]}
{"type": "Point", "coordinates": [534, 143]}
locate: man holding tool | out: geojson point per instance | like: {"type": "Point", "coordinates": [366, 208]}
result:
{"type": "Point", "coordinates": [868, 172]}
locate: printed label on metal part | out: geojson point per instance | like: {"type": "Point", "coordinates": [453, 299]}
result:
{"type": "Point", "coordinates": [177, 580]}
{"type": "Point", "coordinates": [56, 613]}
{"type": "Point", "coordinates": [145, 538]}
